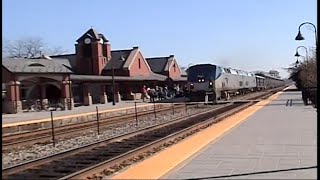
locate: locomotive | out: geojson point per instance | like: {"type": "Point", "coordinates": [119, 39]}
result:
{"type": "Point", "coordinates": [208, 82]}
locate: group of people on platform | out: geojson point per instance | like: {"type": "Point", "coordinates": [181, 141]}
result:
{"type": "Point", "coordinates": [160, 93]}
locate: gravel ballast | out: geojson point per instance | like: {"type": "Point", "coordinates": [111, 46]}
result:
{"type": "Point", "coordinates": [24, 154]}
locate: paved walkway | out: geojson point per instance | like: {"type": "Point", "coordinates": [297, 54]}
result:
{"type": "Point", "coordinates": [12, 118]}
{"type": "Point", "coordinates": [275, 137]}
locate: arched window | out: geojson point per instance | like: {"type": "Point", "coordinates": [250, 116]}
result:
{"type": "Point", "coordinates": [139, 63]}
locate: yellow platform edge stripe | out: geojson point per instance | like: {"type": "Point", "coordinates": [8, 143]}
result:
{"type": "Point", "coordinates": [162, 163]}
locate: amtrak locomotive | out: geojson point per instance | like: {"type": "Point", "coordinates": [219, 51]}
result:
{"type": "Point", "coordinates": [214, 82]}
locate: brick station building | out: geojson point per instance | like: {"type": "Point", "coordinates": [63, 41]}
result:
{"type": "Point", "coordinates": [85, 78]}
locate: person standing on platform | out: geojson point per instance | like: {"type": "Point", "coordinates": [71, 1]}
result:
{"type": "Point", "coordinates": [144, 93]}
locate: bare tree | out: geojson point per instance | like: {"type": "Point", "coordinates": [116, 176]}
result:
{"type": "Point", "coordinates": [57, 50]}
{"type": "Point", "coordinates": [305, 76]}
{"type": "Point", "coordinates": [31, 47]}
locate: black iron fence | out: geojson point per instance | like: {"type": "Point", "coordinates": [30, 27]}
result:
{"type": "Point", "coordinates": [309, 94]}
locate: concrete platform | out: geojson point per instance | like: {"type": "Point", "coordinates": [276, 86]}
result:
{"type": "Point", "coordinates": [276, 137]}
{"type": "Point", "coordinates": [29, 116]}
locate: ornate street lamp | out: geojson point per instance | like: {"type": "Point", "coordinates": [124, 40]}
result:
{"type": "Point", "coordinates": [297, 53]}
{"type": "Point", "coordinates": [299, 36]}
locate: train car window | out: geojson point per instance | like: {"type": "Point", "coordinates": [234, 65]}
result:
{"type": "Point", "coordinates": [218, 73]}
{"type": "Point", "coordinates": [240, 83]}
{"type": "Point", "coordinates": [208, 72]}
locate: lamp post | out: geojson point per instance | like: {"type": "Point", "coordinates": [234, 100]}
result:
{"type": "Point", "coordinates": [113, 86]}
{"type": "Point", "coordinates": [297, 63]}
{"type": "Point", "coordinates": [299, 37]}
{"type": "Point", "coordinates": [297, 53]}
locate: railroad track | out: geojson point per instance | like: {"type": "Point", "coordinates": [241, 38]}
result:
{"type": "Point", "coordinates": [45, 136]}
{"type": "Point", "coordinates": [113, 154]}
{"type": "Point", "coordinates": [69, 162]}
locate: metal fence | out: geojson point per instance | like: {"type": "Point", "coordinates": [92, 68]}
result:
{"type": "Point", "coordinates": [309, 94]}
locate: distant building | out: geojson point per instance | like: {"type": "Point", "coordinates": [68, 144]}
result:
{"type": "Point", "coordinates": [274, 73]}
{"type": "Point", "coordinates": [84, 77]}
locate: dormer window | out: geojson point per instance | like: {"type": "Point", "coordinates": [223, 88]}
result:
{"type": "Point", "coordinates": [122, 58]}
{"type": "Point", "coordinates": [36, 64]}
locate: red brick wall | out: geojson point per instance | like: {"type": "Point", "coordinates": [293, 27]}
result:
{"type": "Point", "coordinates": [98, 59]}
{"type": "Point", "coordinates": [135, 70]}
{"type": "Point", "coordinates": [93, 65]}
{"type": "Point", "coordinates": [6, 75]}
{"type": "Point", "coordinates": [84, 65]}
{"type": "Point", "coordinates": [174, 72]}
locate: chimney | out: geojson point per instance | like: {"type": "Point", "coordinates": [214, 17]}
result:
{"type": "Point", "coordinates": [136, 47]}
{"type": "Point", "coordinates": [171, 56]}
{"type": "Point", "coordinates": [108, 50]}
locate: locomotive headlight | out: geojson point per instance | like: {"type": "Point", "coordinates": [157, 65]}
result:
{"type": "Point", "coordinates": [191, 86]}
{"type": "Point", "coordinates": [210, 84]}
{"type": "Point", "coordinates": [199, 80]}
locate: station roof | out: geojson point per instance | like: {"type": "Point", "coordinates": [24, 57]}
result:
{"type": "Point", "coordinates": [158, 64]}
{"type": "Point", "coordinates": [21, 65]}
{"type": "Point", "coordinates": [118, 58]}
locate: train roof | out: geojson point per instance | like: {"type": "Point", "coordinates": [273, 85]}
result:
{"type": "Point", "coordinates": [260, 77]}
{"type": "Point", "coordinates": [268, 76]}
{"type": "Point", "coordinates": [202, 65]}
{"type": "Point", "coordinates": [232, 70]}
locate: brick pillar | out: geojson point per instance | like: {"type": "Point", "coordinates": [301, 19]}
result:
{"type": "Point", "coordinates": [14, 104]}
{"type": "Point", "coordinates": [66, 95]}
{"type": "Point", "coordinates": [87, 99]}
{"type": "Point", "coordinates": [103, 96]}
